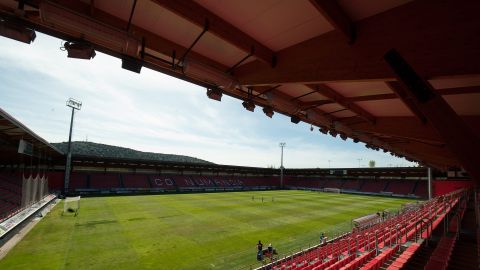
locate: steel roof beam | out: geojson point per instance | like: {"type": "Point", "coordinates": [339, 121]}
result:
{"type": "Point", "coordinates": [337, 17]}
{"type": "Point", "coordinates": [458, 136]}
{"type": "Point", "coordinates": [197, 14]}
{"type": "Point", "coordinates": [338, 98]}
{"type": "Point", "coordinates": [328, 58]}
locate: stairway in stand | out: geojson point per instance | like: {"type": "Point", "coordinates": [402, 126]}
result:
{"type": "Point", "coordinates": [420, 258]}
{"type": "Point", "coordinates": [464, 255]}
{"type": "Point", "coordinates": [391, 260]}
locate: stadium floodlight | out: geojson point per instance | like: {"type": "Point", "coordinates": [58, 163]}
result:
{"type": "Point", "coordinates": [17, 32]}
{"type": "Point", "coordinates": [282, 145]}
{"type": "Point", "coordinates": [268, 111]}
{"type": "Point", "coordinates": [359, 161]}
{"type": "Point", "coordinates": [132, 64]}
{"type": "Point", "coordinates": [75, 105]}
{"type": "Point", "coordinates": [249, 105]}
{"type": "Point", "coordinates": [69, 22]}
{"type": "Point", "coordinates": [323, 129]}
{"type": "Point", "coordinates": [79, 50]}
{"type": "Point", "coordinates": [295, 119]}
{"type": "Point", "coordinates": [215, 94]}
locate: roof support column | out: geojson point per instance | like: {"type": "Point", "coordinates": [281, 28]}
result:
{"type": "Point", "coordinates": [461, 140]}
{"type": "Point", "coordinates": [429, 183]}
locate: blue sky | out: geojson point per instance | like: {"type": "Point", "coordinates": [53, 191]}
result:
{"type": "Point", "coordinates": [154, 112]}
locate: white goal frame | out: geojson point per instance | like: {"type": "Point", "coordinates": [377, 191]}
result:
{"type": "Point", "coordinates": [74, 202]}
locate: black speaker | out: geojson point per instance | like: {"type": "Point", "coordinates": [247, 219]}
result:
{"type": "Point", "coordinates": [132, 64]}
{"type": "Point", "coordinates": [295, 119]}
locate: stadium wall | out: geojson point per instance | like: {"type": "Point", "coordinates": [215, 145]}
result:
{"type": "Point", "coordinates": [109, 182]}
{"type": "Point", "coordinates": [135, 178]}
{"type": "Point", "coordinates": [441, 187]}
{"type": "Point", "coordinates": [55, 180]}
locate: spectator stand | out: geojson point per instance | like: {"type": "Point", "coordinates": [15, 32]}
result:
{"type": "Point", "coordinates": [378, 245]}
{"type": "Point", "coordinates": [9, 224]}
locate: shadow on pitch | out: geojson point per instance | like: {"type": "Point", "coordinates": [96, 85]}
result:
{"type": "Point", "coordinates": [95, 222]}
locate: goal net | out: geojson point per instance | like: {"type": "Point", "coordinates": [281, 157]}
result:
{"type": "Point", "coordinates": [71, 205]}
{"type": "Point", "coordinates": [332, 190]}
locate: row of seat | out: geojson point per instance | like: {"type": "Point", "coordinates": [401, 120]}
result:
{"type": "Point", "coordinates": [402, 187]}
{"type": "Point", "coordinates": [336, 249]}
{"type": "Point", "coordinates": [455, 222]}
{"type": "Point", "coordinates": [385, 238]}
{"type": "Point", "coordinates": [7, 209]}
{"type": "Point", "coordinates": [128, 180]}
{"type": "Point", "coordinates": [378, 261]}
{"type": "Point", "coordinates": [80, 180]}
{"type": "Point", "coordinates": [19, 190]}
{"type": "Point", "coordinates": [10, 194]}
{"type": "Point", "coordinates": [441, 254]}
{"type": "Point", "coordinates": [404, 257]}
{"type": "Point", "coordinates": [10, 187]}
{"type": "Point", "coordinates": [341, 263]}
{"type": "Point", "coordinates": [478, 242]}
{"type": "Point", "coordinates": [441, 209]}
{"type": "Point", "coordinates": [358, 261]}
{"type": "Point", "coordinates": [320, 264]}
{"type": "Point", "coordinates": [399, 262]}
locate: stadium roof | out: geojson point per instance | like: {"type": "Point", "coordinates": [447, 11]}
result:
{"type": "Point", "coordinates": [12, 131]}
{"type": "Point", "coordinates": [399, 75]}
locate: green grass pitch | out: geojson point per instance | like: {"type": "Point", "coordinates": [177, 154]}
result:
{"type": "Point", "coordinates": [186, 231]}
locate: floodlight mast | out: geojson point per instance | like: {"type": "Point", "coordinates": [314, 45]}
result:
{"type": "Point", "coordinates": [359, 162]}
{"type": "Point", "coordinates": [282, 145]}
{"type": "Point", "coordinates": [75, 105]}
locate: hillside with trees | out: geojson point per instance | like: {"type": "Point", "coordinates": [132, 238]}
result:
{"type": "Point", "coordinates": [109, 151]}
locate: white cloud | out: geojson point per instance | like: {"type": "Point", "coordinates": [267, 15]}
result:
{"type": "Point", "coordinates": [154, 112]}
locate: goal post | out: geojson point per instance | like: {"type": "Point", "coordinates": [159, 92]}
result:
{"type": "Point", "coordinates": [71, 204]}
